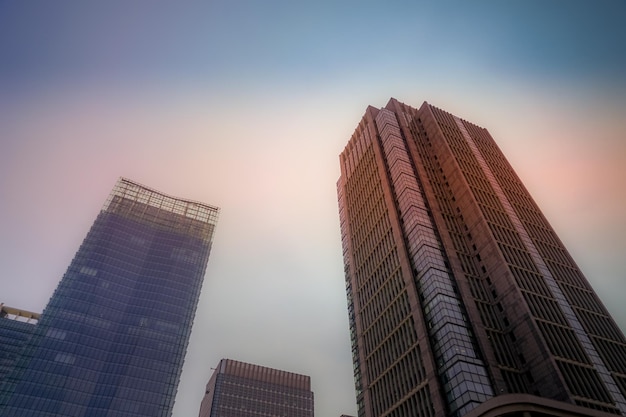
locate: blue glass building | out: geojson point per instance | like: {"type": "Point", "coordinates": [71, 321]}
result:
{"type": "Point", "coordinates": [16, 329]}
{"type": "Point", "coordinates": [112, 339]}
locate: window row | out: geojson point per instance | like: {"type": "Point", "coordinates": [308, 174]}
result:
{"type": "Point", "coordinates": [397, 382]}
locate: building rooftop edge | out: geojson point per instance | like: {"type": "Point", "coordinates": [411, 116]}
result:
{"type": "Point", "coordinates": [262, 373]}
{"type": "Point", "coordinates": [265, 367]}
{"type": "Point", "coordinates": [185, 200]}
{"type": "Point", "coordinates": [6, 310]}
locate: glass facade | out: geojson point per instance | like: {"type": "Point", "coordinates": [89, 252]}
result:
{"type": "Point", "coordinates": [16, 329]}
{"type": "Point", "coordinates": [112, 339]}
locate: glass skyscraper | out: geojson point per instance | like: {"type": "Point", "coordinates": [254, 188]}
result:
{"type": "Point", "coordinates": [112, 339]}
{"type": "Point", "coordinates": [462, 300]}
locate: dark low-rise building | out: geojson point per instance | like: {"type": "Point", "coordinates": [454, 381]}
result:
{"type": "Point", "coordinates": [239, 389]}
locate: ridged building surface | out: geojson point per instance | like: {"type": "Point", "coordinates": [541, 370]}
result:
{"type": "Point", "coordinates": [240, 389]}
{"type": "Point", "coordinates": [112, 339]}
{"type": "Point", "coordinates": [462, 300]}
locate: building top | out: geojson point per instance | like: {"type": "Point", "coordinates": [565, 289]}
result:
{"type": "Point", "coordinates": [19, 315]}
{"type": "Point", "coordinates": [265, 374]}
{"type": "Point", "coordinates": [142, 203]}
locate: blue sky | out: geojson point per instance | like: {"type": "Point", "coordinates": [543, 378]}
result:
{"type": "Point", "coordinates": [281, 41]}
{"type": "Point", "coordinates": [247, 105]}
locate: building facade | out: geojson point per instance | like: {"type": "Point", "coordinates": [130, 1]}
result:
{"type": "Point", "coordinates": [112, 339]}
{"type": "Point", "coordinates": [239, 389]}
{"type": "Point", "coordinates": [461, 298]}
{"type": "Point", "coordinates": [16, 328]}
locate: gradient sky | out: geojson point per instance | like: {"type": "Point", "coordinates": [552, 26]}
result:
{"type": "Point", "coordinates": [246, 105]}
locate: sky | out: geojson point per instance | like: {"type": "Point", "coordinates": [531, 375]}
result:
{"type": "Point", "coordinates": [246, 105]}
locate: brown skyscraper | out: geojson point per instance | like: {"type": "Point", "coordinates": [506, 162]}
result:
{"type": "Point", "coordinates": [462, 300]}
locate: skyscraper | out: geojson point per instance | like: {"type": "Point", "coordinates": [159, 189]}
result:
{"type": "Point", "coordinates": [112, 339]}
{"type": "Point", "coordinates": [239, 389]}
{"type": "Point", "coordinates": [462, 300]}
